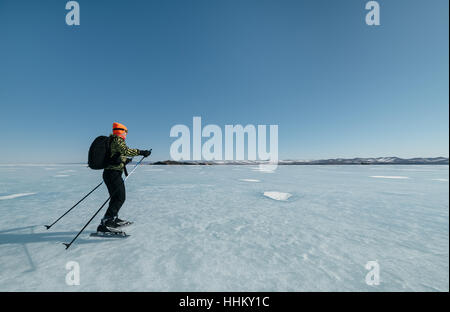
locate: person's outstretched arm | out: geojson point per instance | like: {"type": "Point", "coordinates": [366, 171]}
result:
{"type": "Point", "coordinates": [124, 150]}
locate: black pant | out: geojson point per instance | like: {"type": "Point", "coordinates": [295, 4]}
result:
{"type": "Point", "coordinates": [116, 188]}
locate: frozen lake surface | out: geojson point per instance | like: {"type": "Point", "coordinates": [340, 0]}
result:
{"type": "Point", "coordinates": [211, 228]}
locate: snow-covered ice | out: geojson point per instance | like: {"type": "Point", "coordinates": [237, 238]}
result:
{"type": "Point", "coordinates": [202, 230]}
{"type": "Point", "coordinates": [12, 196]}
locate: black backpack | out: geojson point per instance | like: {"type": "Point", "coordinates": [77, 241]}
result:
{"type": "Point", "coordinates": [99, 154]}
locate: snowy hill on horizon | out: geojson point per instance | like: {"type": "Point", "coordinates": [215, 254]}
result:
{"type": "Point", "coordinates": [334, 161]}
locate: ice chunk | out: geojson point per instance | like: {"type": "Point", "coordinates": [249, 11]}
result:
{"type": "Point", "coordinates": [389, 177]}
{"type": "Point", "coordinates": [265, 168]}
{"type": "Point", "coordinates": [278, 195]}
{"type": "Point", "coordinates": [67, 171]}
{"type": "Point", "coordinates": [249, 180]}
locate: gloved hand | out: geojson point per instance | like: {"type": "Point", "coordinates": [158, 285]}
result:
{"type": "Point", "coordinates": [145, 153]}
{"type": "Point", "coordinates": [128, 161]}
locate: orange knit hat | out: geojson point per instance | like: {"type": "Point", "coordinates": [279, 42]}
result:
{"type": "Point", "coordinates": [120, 130]}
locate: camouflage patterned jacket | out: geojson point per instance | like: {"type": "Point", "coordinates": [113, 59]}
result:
{"type": "Point", "coordinates": [118, 146]}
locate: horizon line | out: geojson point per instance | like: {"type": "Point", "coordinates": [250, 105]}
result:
{"type": "Point", "coordinates": [212, 161]}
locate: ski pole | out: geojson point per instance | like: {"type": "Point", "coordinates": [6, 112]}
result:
{"type": "Point", "coordinates": [49, 226]}
{"type": "Point", "coordinates": [81, 231]}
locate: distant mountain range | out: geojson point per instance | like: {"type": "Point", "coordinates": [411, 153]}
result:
{"type": "Point", "coordinates": [335, 161]}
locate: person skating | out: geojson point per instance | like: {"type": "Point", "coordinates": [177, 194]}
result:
{"type": "Point", "coordinates": [112, 176]}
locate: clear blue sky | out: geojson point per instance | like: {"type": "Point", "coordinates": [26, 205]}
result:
{"type": "Point", "coordinates": [335, 86]}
